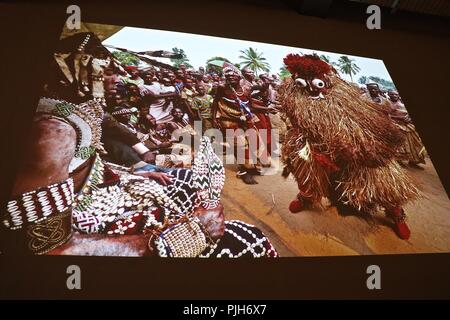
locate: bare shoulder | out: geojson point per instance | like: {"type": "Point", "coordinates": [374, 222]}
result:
{"type": "Point", "coordinates": [47, 153]}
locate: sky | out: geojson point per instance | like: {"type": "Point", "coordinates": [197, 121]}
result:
{"type": "Point", "coordinates": [199, 48]}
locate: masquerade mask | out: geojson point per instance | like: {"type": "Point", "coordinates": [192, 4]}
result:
{"type": "Point", "coordinates": [310, 73]}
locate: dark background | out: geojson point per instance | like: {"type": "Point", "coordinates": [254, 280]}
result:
{"type": "Point", "coordinates": [415, 50]}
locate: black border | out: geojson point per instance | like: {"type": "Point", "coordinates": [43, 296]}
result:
{"type": "Point", "coordinates": [417, 62]}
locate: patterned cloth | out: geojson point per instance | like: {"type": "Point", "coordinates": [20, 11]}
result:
{"type": "Point", "coordinates": [120, 203]}
{"type": "Point", "coordinates": [241, 240]}
{"type": "Point", "coordinates": [203, 105]}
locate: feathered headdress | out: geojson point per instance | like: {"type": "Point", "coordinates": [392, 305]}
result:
{"type": "Point", "coordinates": [307, 66]}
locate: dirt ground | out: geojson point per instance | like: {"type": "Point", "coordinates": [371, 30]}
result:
{"type": "Point", "coordinates": [328, 233]}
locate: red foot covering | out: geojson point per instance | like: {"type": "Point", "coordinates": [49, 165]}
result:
{"type": "Point", "coordinates": [400, 226]}
{"type": "Point", "coordinates": [402, 230]}
{"type": "Point", "coordinates": [295, 206]}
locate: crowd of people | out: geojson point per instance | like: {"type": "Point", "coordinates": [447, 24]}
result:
{"type": "Point", "coordinates": [151, 103]}
{"type": "Point", "coordinates": [413, 152]}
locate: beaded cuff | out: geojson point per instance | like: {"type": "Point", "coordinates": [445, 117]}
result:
{"type": "Point", "coordinates": [41, 220]}
{"type": "Point", "coordinates": [37, 205]}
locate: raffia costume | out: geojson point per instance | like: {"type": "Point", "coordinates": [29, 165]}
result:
{"type": "Point", "coordinates": [340, 146]}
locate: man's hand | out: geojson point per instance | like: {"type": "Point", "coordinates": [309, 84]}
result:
{"type": "Point", "coordinates": [149, 157]}
{"type": "Point", "coordinates": [213, 220]}
{"type": "Point", "coordinates": [165, 145]}
{"type": "Point", "coordinates": [160, 177]}
{"type": "Point", "coordinates": [272, 110]}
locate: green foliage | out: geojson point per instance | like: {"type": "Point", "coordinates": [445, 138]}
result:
{"type": "Point", "coordinates": [327, 59]}
{"type": "Point", "coordinates": [217, 58]}
{"type": "Point", "coordinates": [254, 60]}
{"type": "Point", "coordinates": [183, 60]}
{"type": "Point", "coordinates": [284, 73]}
{"type": "Point", "coordinates": [126, 58]}
{"type": "Point", "coordinates": [383, 82]}
{"type": "Point", "coordinates": [386, 84]}
{"type": "Point", "coordinates": [362, 80]}
{"type": "Point", "coordinates": [347, 66]}
{"type": "Point", "coordinates": [215, 68]}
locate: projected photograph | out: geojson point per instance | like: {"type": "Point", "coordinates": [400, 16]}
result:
{"type": "Point", "coordinates": [167, 144]}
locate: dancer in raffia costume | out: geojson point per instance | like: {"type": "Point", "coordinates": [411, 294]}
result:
{"type": "Point", "coordinates": [66, 196]}
{"type": "Point", "coordinates": [341, 146]}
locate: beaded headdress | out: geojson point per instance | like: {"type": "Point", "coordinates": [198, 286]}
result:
{"type": "Point", "coordinates": [81, 59]}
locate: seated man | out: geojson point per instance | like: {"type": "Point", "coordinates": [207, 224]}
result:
{"type": "Point", "coordinates": [124, 115]}
{"type": "Point", "coordinates": [158, 138]}
{"type": "Point", "coordinates": [179, 122]}
{"type": "Point", "coordinates": [123, 147]}
{"type": "Point", "coordinates": [146, 131]}
{"type": "Point", "coordinates": [159, 98]}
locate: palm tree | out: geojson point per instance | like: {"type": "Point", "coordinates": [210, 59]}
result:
{"type": "Point", "coordinates": [362, 80]}
{"type": "Point", "coordinates": [327, 59]}
{"type": "Point", "coordinates": [254, 60]}
{"type": "Point", "coordinates": [385, 83]}
{"type": "Point", "coordinates": [183, 60]}
{"type": "Point", "coordinates": [347, 66]}
{"type": "Point", "coordinates": [217, 58]}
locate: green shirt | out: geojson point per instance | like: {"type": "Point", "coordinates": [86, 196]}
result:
{"type": "Point", "coordinates": [203, 105]}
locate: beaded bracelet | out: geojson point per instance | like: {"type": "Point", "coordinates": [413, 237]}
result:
{"type": "Point", "coordinates": [37, 205]}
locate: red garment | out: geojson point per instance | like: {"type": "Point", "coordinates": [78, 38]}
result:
{"type": "Point", "coordinates": [264, 123]}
